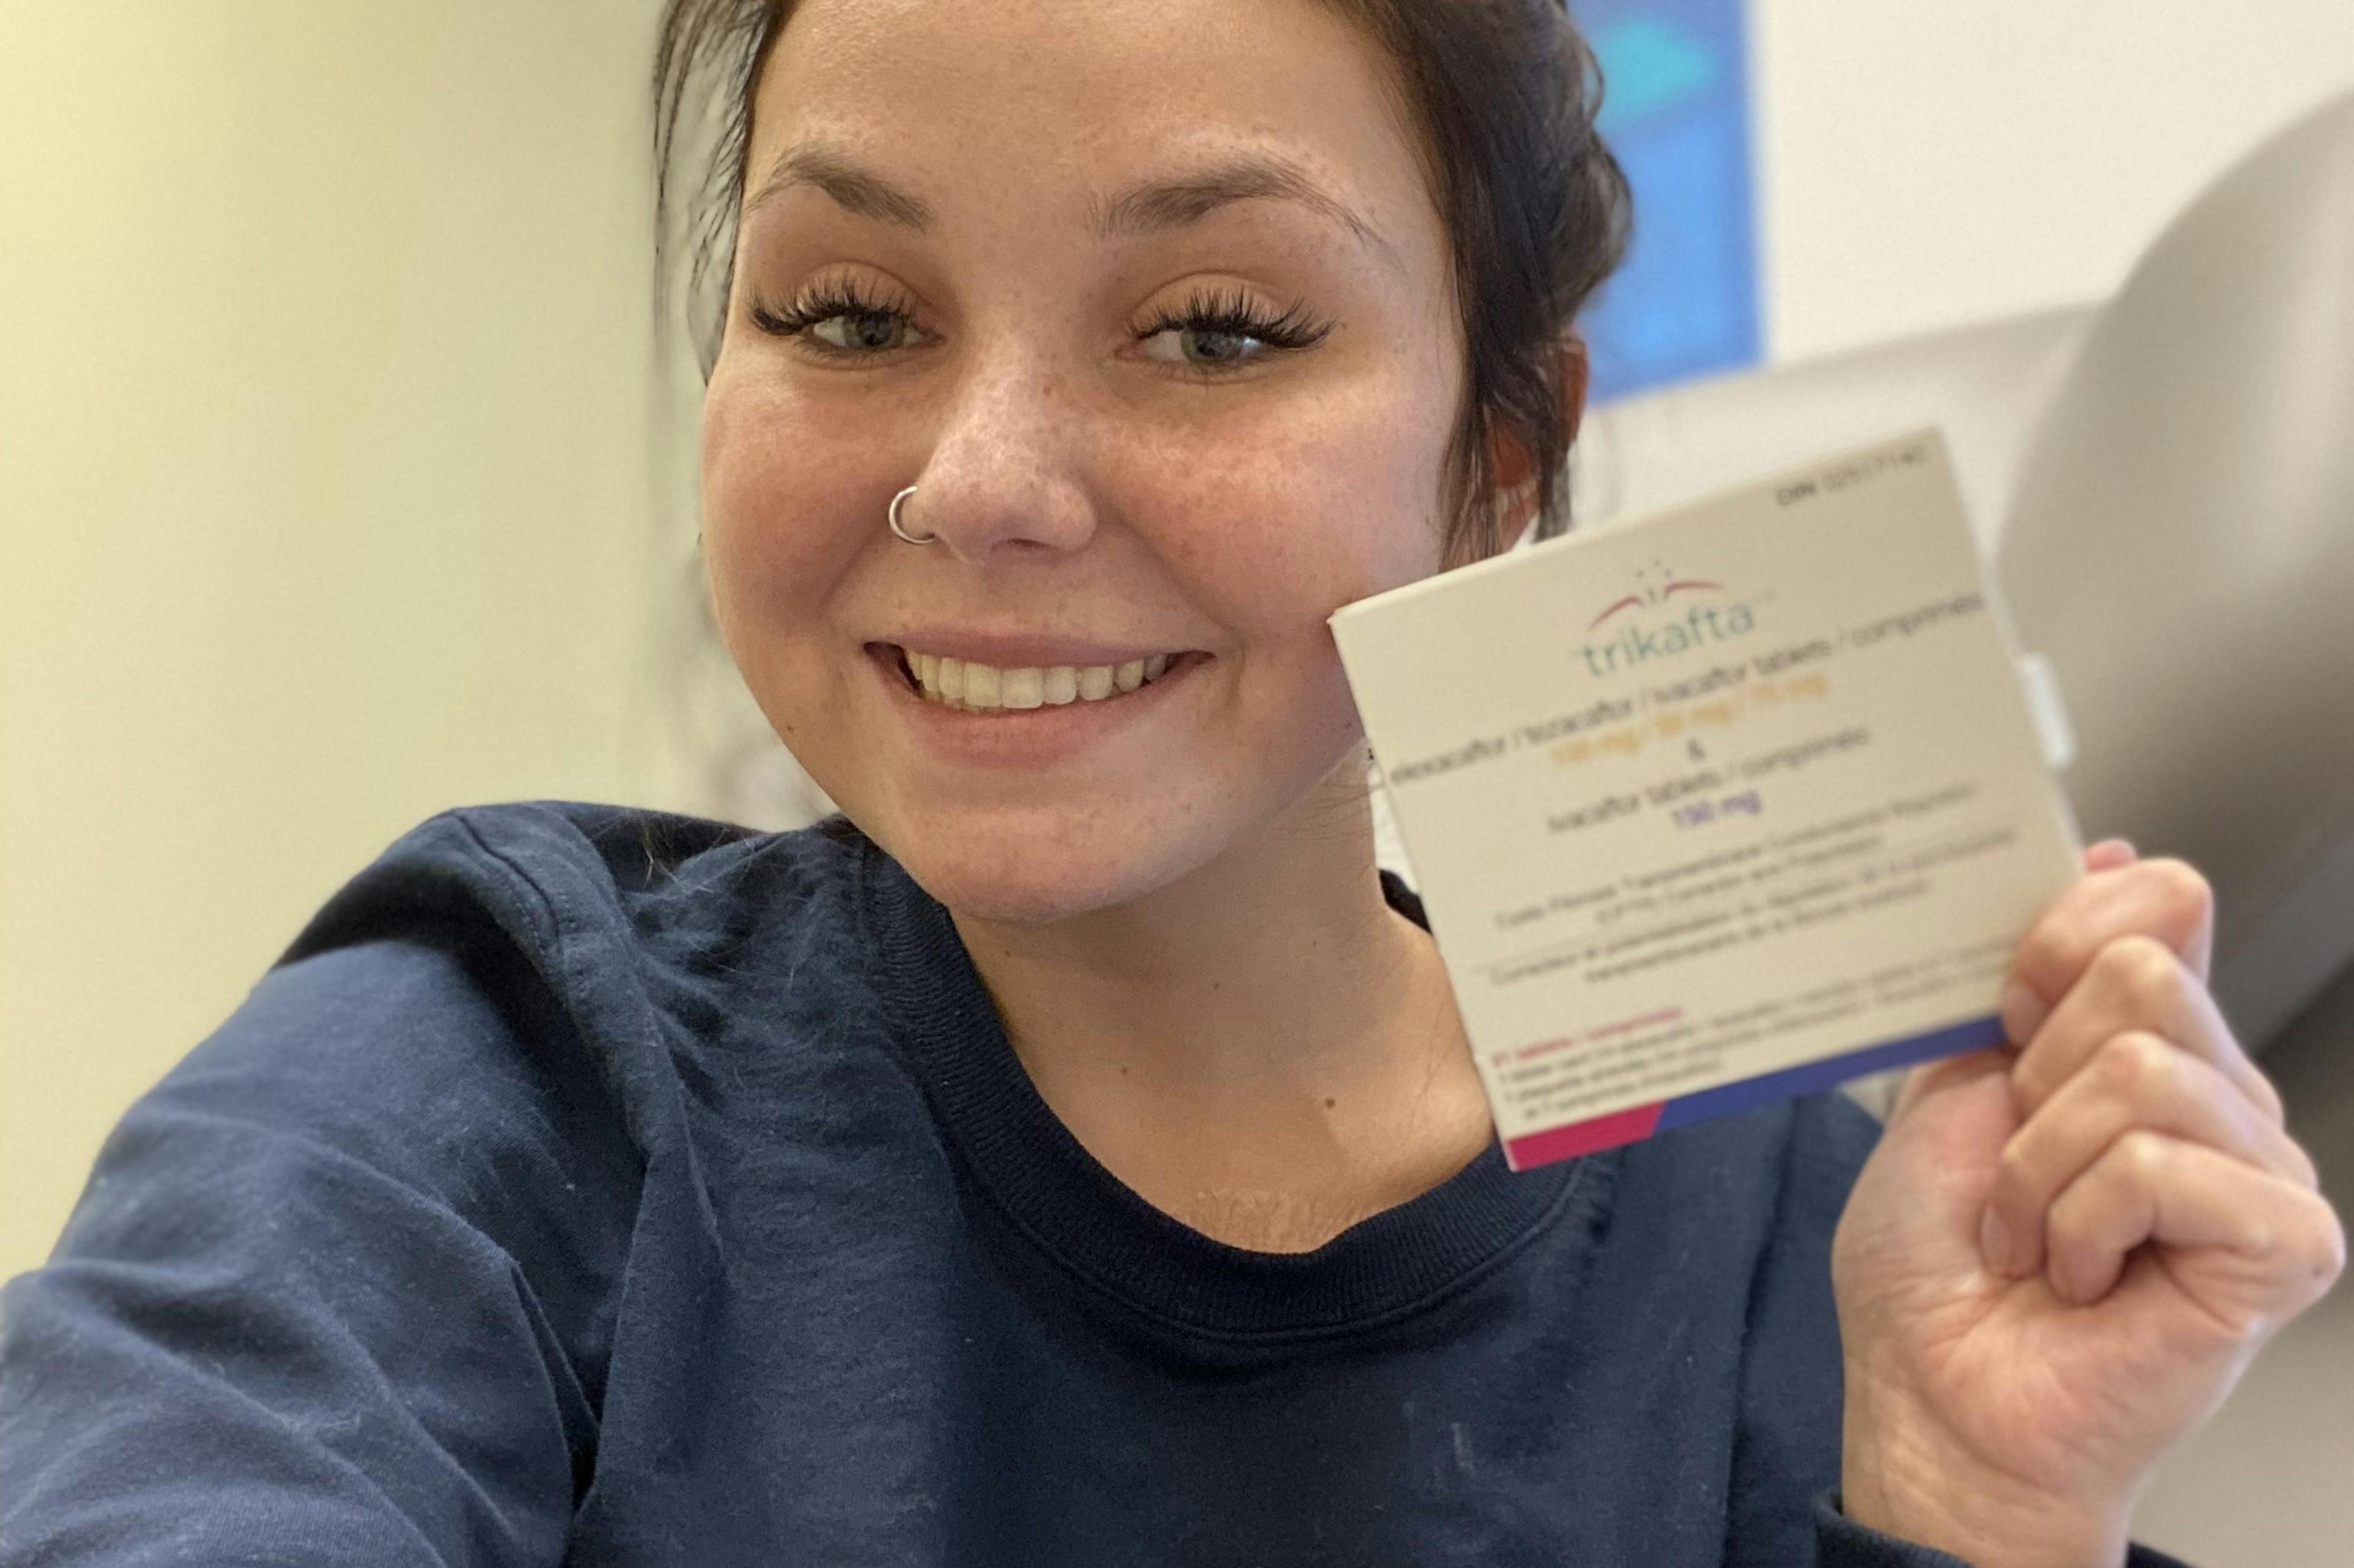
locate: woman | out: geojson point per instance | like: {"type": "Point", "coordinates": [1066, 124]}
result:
{"type": "Point", "coordinates": [1069, 1155]}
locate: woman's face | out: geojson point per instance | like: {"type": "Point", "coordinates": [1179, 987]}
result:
{"type": "Point", "coordinates": [1150, 301]}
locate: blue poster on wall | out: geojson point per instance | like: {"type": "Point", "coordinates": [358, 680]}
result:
{"type": "Point", "coordinates": [1675, 109]}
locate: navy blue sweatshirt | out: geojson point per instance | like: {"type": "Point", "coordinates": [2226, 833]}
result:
{"type": "Point", "coordinates": [593, 1186]}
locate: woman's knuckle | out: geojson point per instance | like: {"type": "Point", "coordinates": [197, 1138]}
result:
{"type": "Point", "coordinates": [2136, 1065]}
{"type": "Point", "coordinates": [2183, 886]}
{"type": "Point", "coordinates": [2044, 951]}
{"type": "Point", "coordinates": [2112, 968]}
{"type": "Point", "coordinates": [2324, 1249]}
{"type": "Point", "coordinates": [2267, 1096]}
{"type": "Point", "coordinates": [2143, 1157]}
{"type": "Point", "coordinates": [2066, 930]}
{"type": "Point", "coordinates": [2285, 1156]}
{"type": "Point", "coordinates": [2146, 972]}
{"type": "Point", "coordinates": [2069, 1230]}
{"type": "Point", "coordinates": [2014, 1172]}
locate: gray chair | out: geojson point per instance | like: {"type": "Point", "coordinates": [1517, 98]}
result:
{"type": "Point", "coordinates": [2181, 548]}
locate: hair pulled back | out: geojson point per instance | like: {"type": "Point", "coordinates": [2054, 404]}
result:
{"type": "Point", "coordinates": [1504, 93]}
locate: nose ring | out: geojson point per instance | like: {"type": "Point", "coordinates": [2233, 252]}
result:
{"type": "Point", "coordinates": [897, 502]}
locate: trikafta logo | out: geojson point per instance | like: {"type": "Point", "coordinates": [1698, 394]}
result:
{"type": "Point", "coordinates": [1697, 604]}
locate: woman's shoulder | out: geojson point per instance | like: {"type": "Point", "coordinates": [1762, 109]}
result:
{"type": "Point", "coordinates": [551, 875]}
{"type": "Point", "coordinates": [526, 971]}
{"type": "Point", "coordinates": [493, 1020]}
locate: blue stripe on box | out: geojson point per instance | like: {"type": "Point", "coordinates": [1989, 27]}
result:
{"type": "Point", "coordinates": [1971, 1035]}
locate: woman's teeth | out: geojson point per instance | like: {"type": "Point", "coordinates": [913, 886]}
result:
{"type": "Point", "coordinates": [960, 683]}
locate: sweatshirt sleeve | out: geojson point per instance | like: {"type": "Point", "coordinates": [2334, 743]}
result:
{"type": "Point", "coordinates": [1840, 1542]}
{"type": "Point", "coordinates": [339, 1288]}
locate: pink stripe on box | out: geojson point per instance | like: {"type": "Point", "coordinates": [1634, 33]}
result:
{"type": "Point", "coordinates": [1630, 1125]}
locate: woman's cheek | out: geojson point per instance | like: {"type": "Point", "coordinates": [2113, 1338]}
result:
{"type": "Point", "coordinates": [766, 553]}
{"type": "Point", "coordinates": [1305, 513]}
{"type": "Point", "coordinates": [777, 506]}
{"type": "Point", "coordinates": [1368, 508]}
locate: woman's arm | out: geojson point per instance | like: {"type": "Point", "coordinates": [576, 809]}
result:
{"type": "Point", "coordinates": [339, 1288]}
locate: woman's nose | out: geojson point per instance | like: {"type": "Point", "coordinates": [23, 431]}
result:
{"type": "Point", "coordinates": [1005, 475]}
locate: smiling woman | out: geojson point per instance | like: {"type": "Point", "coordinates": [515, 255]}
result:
{"type": "Point", "coordinates": [1069, 1153]}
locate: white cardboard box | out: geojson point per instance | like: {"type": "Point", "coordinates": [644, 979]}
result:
{"type": "Point", "coordinates": [1720, 806]}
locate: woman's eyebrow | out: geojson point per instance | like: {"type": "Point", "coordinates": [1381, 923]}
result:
{"type": "Point", "coordinates": [1172, 203]}
{"type": "Point", "coordinates": [1146, 206]}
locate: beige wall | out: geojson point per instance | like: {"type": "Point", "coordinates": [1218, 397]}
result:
{"type": "Point", "coordinates": [328, 475]}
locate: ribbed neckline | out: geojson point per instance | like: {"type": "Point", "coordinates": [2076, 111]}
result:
{"type": "Point", "coordinates": [1050, 1188]}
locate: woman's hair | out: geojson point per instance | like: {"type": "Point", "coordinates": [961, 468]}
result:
{"type": "Point", "coordinates": [1504, 93]}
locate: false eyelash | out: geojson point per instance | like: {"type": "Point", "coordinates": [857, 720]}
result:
{"type": "Point", "coordinates": [1230, 313]}
{"type": "Point", "coordinates": [1233, 313]}
{"type": "Point", "coordinates": [816, 305]}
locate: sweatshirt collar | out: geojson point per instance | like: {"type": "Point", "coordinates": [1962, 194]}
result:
{"type": "Point", "coordinates": [1050, 1189]}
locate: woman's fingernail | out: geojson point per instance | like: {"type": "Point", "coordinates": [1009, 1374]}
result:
{"type": "Point", "coordinates": [2022, 1011]}
{"type": "Point", "coordinates": [1994, 1241]}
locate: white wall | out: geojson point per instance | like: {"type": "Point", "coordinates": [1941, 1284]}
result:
{"type": "Point", "coordinates": [327, 492]}
{"type": "Point", "coordinates": [1927, 163]}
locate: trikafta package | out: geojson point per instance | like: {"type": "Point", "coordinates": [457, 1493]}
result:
{"type": "Point", "coordinates": [1720, 806]}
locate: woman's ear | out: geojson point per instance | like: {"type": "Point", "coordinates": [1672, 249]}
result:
{"type": "Point", "coordinates": [1511, 463]}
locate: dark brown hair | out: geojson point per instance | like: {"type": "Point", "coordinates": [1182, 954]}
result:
{"type": "Point", "coordinates": [1504, 93]}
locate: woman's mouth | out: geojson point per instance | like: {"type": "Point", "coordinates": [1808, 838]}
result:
{"type": "Point", "coordinates": [974, 687]}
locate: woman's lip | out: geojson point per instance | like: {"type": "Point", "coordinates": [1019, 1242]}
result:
{"type": "Point", "coordinates": [1008, 651]}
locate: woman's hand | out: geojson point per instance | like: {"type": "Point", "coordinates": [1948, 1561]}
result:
{"type": "Point", "coordinates": [2061, 1257]}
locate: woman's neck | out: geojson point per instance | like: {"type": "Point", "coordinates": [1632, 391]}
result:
{"type": "Point", "coordinates": [1263, 1049]}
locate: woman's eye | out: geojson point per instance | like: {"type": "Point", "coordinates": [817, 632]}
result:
{"type": "Point", "coordinates": [1207, 346]}
{"type": "Point", "coordinates": [1216, 334]}
{"type": "Point", "coordinates": [838, 321]}
{"type": "Point", "coordinates": [863, 331]}
{"type": "Point", "coordinates": [1211, 334]}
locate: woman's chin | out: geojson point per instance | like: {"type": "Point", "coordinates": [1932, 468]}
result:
{"type": "Point", "coordinates": [1033, 870]}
